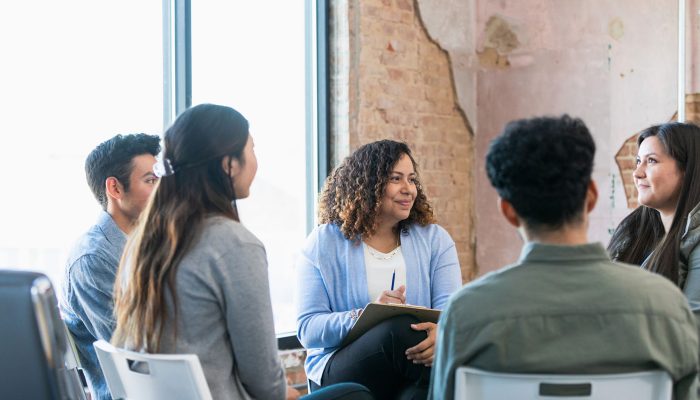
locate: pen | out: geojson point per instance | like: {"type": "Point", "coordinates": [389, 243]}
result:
{"type": "Point", "coordinates": [393, 276]}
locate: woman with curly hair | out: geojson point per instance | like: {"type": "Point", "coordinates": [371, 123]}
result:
{"type": "Point", "coordinates": [377, 241]}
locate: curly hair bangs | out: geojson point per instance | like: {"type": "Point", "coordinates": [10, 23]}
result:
{"type": "Point", "coordinates": [352, 194]}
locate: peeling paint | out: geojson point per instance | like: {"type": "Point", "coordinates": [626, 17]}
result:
{"type": "Point", "coordinates": [612, 190]}
{"type": "Point", "coordinates": [616, 28]}
{"type": "Point", "coordinates": [500, 35]}
{"type": "Point", "coordinates": [499, 41]}
{"type": "Point", "coordinates": [489, 58]}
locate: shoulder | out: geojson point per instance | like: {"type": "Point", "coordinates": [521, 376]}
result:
{"type": "Point", "coordinates": [222, 232]}
{"type": "Point", "coordinates": [624, 286]}
{"type": "Point", "coordinates": [693, 223]}
{"type": "Point", "coordinates": [94, 242]}
{"type": "Point", "coordinates": [90, 267]}
{"type": "Point", "coordinates": [641, 282]}
{"type": "Point", "coordinates": [222, 240]}
{"type": "Point", "coordinates": [328, 232]}
{"type": "Point", "coordinates": [432, 235]}
{"type": "Point", "coordinates": [650, 292]}
{"type": "Point", "coordinates": [690, 241]}
{"type": "Point", "coordinates": [224, 250]}
{"type": "Point", "coordinates": [324, 235]}
{"type": "Point", "coordinates": [481, 289]}
{"type": "Point", "coordinates": [94, 253]}
{"type": "Point", "coordinates": [429, 230]}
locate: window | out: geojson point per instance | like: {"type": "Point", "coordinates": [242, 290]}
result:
{"type": "Point", "coordinates": [77, 73]}
{"type": "Point", "coordinates": [73, 75]}
{"type": "Point", "coordinates": [252, 56]}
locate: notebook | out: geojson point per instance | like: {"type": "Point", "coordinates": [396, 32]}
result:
{"type": "Point", "coordinates": [375, 313]}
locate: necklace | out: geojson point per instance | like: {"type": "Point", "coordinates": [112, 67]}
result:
{"type": "Point", "coordinates": [382, 256]}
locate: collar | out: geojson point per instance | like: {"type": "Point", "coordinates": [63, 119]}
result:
{"type": "Point", "coordinates": [110, 229]}
{"type": "Point", "coordinates": [693, 221]}
{"type": "Point", "coordinates": [540, 252]}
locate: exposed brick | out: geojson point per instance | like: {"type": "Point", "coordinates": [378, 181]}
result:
{"type": "Point", "coordinates": [404, 90]}
{"type": "Point", "coordinates": [390, 15]}
{"type": "Point", "coordinates": [625, 159]}
{"type": "Point", "coordinates": [396, 74]}
{"type": "Point", "coordinates": [692, 109]}
{"type": "Point", "coordinates": [627, 164]}
{"type": "Point", "coordinates": [407, 17]}
{"type": "Point", "coordinates": [406, 5]}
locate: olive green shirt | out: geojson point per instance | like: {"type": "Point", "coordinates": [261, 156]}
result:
{"type": "Point", "coordinates": [567, 309]}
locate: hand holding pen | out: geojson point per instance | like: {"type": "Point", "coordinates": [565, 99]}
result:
{"type": "Point", "coordinates": [392, 296]}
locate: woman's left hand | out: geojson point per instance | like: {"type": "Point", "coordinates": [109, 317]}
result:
{"type": "Point", "coordinates": [423, 352]}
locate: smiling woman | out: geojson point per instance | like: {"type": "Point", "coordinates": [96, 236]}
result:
{"type": "Point", "coordinates": [657, 178]}
{"type": "Point", "coordinates": [377, 231]}
{"type": "Point", "coordinates": [663, 233]}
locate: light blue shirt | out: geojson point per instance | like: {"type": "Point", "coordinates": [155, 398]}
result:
{"type": "Point", "coordinates": [86, 301]}
{"type": "Point", "coordinates": [332, 281]}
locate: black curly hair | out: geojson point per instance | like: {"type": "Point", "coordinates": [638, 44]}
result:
{"type": "Point", "coordinates": [542, 166]}
{"type": "Point", "coordinates": [352, 194]}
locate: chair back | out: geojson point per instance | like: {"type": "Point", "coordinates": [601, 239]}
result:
{"type": "Point", "coordinates": [33, 342]}
{"type": "Point", "coordinates": [139, 376]}
{"type": "Point", "coordinates": [73, 365]}
{"type": "Point", "coordinates": [476, 384]}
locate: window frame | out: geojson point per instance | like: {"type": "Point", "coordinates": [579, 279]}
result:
{"type": "Point", "coordinates": [177, 88]}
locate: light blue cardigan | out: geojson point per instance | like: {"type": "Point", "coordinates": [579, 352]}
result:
{"type": "Point", "coordinates": [332, 280]}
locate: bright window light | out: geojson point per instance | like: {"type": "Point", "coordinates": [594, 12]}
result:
{"type": "Point", "coordinates": [250, 55]}
{"type": "Point", "coordinates": [74, 73]}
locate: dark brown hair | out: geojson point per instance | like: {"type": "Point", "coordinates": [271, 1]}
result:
{"type": "Point", "coordinates": [195, 144]}
{"type": "Point", "coordinates": [352, 194]}
{"type": "Point", "coordinates": [642, 233]}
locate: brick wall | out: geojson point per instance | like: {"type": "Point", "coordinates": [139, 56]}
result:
{"type": "Point", "coordinates": [625, 159]}
{"type": "Point", "coordinates": [692, 107]}
{"type": "Point", "coordinates": [626, 156]}
{"type": "Point", "coordinates": [401, 87]}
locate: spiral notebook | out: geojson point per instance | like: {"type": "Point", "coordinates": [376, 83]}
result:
{"type": "Point", "coordinates": [375, 313]}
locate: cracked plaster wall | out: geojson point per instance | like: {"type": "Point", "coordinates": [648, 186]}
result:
{"type": "Point", "coordinates": [613, 64]}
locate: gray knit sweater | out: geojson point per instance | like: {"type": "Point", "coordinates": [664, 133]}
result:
{"type": "Point", "coordinates": [225, 314]}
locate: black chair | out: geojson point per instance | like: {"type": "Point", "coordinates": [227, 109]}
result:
{"type": "Point", "coordinates": [33, 342]}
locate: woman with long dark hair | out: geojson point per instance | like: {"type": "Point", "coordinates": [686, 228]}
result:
{"type": "Point", "coordinates": [377, 241]}
{"type": "Point", "coordinates": [193, 279]}
{"type": "Point", "coordinates": [663, 233]}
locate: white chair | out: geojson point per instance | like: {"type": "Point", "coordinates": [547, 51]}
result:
{"type": "Point", "coordinates": [476, 384]}
{"type": "Point", "coordinates": [138, 376]}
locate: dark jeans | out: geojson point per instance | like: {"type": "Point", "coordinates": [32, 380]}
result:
{"type": "Point", "coordinates": [378, 361]}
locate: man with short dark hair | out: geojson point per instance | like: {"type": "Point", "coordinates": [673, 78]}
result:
{"type": "Point", "coordinates": [564, 307]}
{"type": "Point", "coordinates": [120, 174]}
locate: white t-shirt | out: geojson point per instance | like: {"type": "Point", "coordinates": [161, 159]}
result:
{"type": "Point", "coordinates": [380, 267]}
